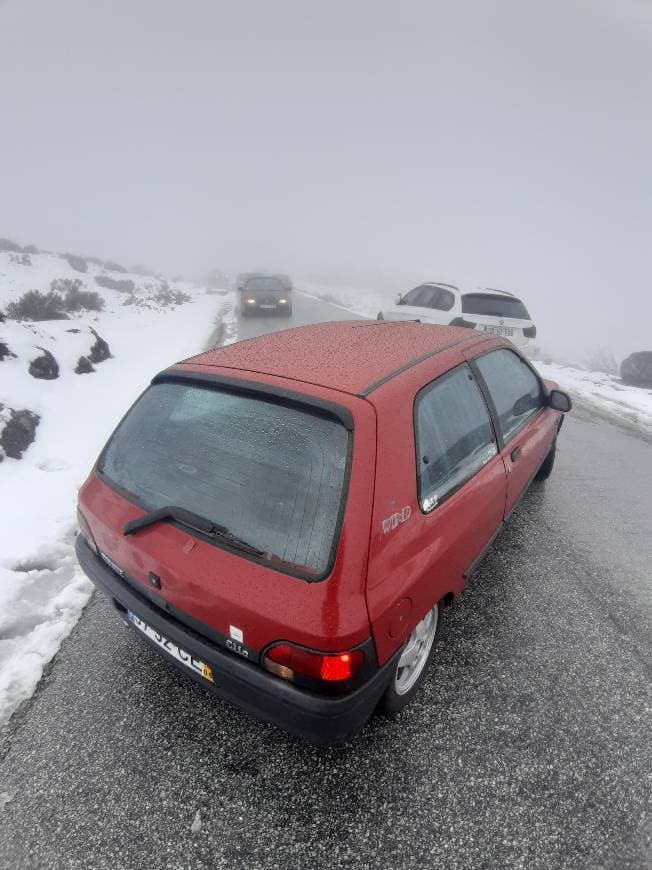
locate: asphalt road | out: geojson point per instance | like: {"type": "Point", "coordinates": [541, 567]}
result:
{"type": "Point", "coordinates": [529, 745]}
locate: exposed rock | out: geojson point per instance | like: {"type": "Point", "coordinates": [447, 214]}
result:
{"type": "Point", "coordinates": [100, 350]}
{"type": "Point", "coordinates": [18, 431]}
{"type": "Point", "coordinates": [636, 370]}
{"type": "Point", "coordinates": [5, 352]}
{"type": "Point", "coordinates": [84, 366]}
{"type": "Point", "coordinates": [74, 331]}
{"type": "Point", "coordinates": [44, 366]}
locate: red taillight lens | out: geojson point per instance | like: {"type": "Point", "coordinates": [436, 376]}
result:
{"type": "Point", "coordinates": [530, 332]}
{"type": "Point", "coordinates": [85, 531]}
{"type": "Point", "coordinates": [289, 661]}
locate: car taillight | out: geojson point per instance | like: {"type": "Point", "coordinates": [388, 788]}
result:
{"type": "Point", "coordinates": [460, 321]}
{"type": "Point", "coordinates": [85, 531]}
{"type": "Point", "coordinates": [313, 669]}
{"type": "Point", "coordinates": [530, 332]}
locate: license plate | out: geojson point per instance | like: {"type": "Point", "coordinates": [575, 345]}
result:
{"type": "Point", "coordinates": [499, 330]}
{"type": "Point", "coordinates": [172, 649]}
{"type": "Point", "coordinates": [267, 306]}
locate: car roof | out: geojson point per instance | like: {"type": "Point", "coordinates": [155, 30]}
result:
{"type": "Point", "coordinates": [488, 291]}
{"type": "Point", "coordinates": [438, 284]}
{"type": "Point", "coordinates": [353, 356]}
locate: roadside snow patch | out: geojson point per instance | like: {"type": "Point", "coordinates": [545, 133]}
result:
{"type": "Point", "coordinates": [42, 590]}
{"type": "Point", "coordinates": [630, 405]}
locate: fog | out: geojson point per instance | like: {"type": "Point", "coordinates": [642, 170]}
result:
{"type": "Point", "coordinates": [506, 143]}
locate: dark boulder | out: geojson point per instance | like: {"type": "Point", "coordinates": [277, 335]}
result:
{"type": "Point", "coordinates": [44, 366]}
{"type": "Point", "coordinates": [18, 432]}
{"type": "Point", "coordinates": [636, 370]}
{"type": "Point", "coordinates": [84, 366]}
{"type": "Point", "coordinates": [5, 352]}
{"type": "Point", "coordinates": [100, 350]}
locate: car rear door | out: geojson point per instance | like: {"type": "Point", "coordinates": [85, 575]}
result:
{"type": "Point", "coordinates": [525, 425]}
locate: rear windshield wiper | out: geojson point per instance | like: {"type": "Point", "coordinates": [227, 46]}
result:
{"type": "Point", "coordinates": [192, 521]}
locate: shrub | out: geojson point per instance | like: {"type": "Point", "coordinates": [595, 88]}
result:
{"type": "Point", "coordinates": [125, 285]}
{"type": "Point", "coordinates": [79, 264]}
{"type": "Point", "coordinates": [34, 305]}
{"type": "Point", "coordinates": [20, 259]}
{"type": "Point", "coordinates": [12, 247]}
{"type": "Point", "coordinates": [77, 299]}
{"type": "Point", "coordinates": [113, 267]}
{"type": "Point", "coordinates": [165, 296]}
{"type": "Point", "coordinates": [602, 360]}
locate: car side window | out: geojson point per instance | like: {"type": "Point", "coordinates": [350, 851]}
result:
{"type": "Point", "coordinates": [454, 435]}
{"type": "Point", "coordinates": [414, 297]}
{"type": "Point", "coordinates": [443, 300]}
{"type": "Point", "coordinates": [514, 388]}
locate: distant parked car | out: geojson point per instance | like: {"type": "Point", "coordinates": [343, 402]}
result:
{"type": "Point", "coordinates": [490, 311]}
{"type": "Point", "coordinates": [265, 294]}
{"type": "Point", "coordinates": [636, 370]}
{"type": "Point", "coordinates": [286, 518]}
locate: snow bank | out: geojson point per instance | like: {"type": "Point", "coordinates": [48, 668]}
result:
{"type": "Point", "coordinates": [607, 394]}
{"type": "Point", "coordinates": [42, 591]}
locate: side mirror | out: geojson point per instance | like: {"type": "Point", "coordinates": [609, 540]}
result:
{"type": "Point", "coordinates": [560, 401]}
{"type": "Point", "coordinates": [399, 297]}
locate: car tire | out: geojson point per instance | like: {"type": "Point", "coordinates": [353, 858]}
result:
{"type": "Point", "coordinates": [412, 665]}
{"type": "Point", "coordinates": [548, 463]}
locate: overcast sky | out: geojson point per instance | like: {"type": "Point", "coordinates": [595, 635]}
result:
{"type": "Point", "coordinates": [506, 143]}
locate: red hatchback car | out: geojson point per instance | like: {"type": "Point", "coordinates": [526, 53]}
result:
{"type": "Point", "coordinates": [285, 518]}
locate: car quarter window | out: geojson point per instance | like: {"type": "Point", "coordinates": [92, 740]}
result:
{"type": "Point", "coordinates": [454, 435]}
{"type": "Point", "coordinates": [514, 388]}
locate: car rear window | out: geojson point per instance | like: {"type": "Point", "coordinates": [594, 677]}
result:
{"type": "Point", "coordinates": [273, 474]}
{"type": "Point", "coordinates": [494, 306]}
{"type": "Point", "coordinates": [273, 285]}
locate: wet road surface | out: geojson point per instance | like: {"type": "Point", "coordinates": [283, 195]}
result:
{"type": "Point", "coordinates": [528, 746]}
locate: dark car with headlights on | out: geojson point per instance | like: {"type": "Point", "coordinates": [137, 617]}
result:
{"type": "Point", "coordinates": [265, 295]}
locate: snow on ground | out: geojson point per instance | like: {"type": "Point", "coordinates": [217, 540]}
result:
{"type": "Point", "coordinates": [366, 303]}
{"type": "Point", "coordinates": [605, 393]}
{"type": "Point", "coordinates": [42, 590]}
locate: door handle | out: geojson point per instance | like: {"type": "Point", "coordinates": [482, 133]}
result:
{"type": "Point", "coordinates": [516, 452]}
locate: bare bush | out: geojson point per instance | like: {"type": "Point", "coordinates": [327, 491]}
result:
{"type": "Point", "coordinates": [602, 360]}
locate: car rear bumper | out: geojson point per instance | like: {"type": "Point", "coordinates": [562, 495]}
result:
{"type": "Point", "coordinates": [318, 718]}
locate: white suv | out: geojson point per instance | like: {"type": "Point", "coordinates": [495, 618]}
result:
{"type": "Point", "coordinates": [485, 309]}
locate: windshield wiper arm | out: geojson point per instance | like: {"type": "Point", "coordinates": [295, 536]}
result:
{"type": "Point", "coordinates": [192, 521]}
